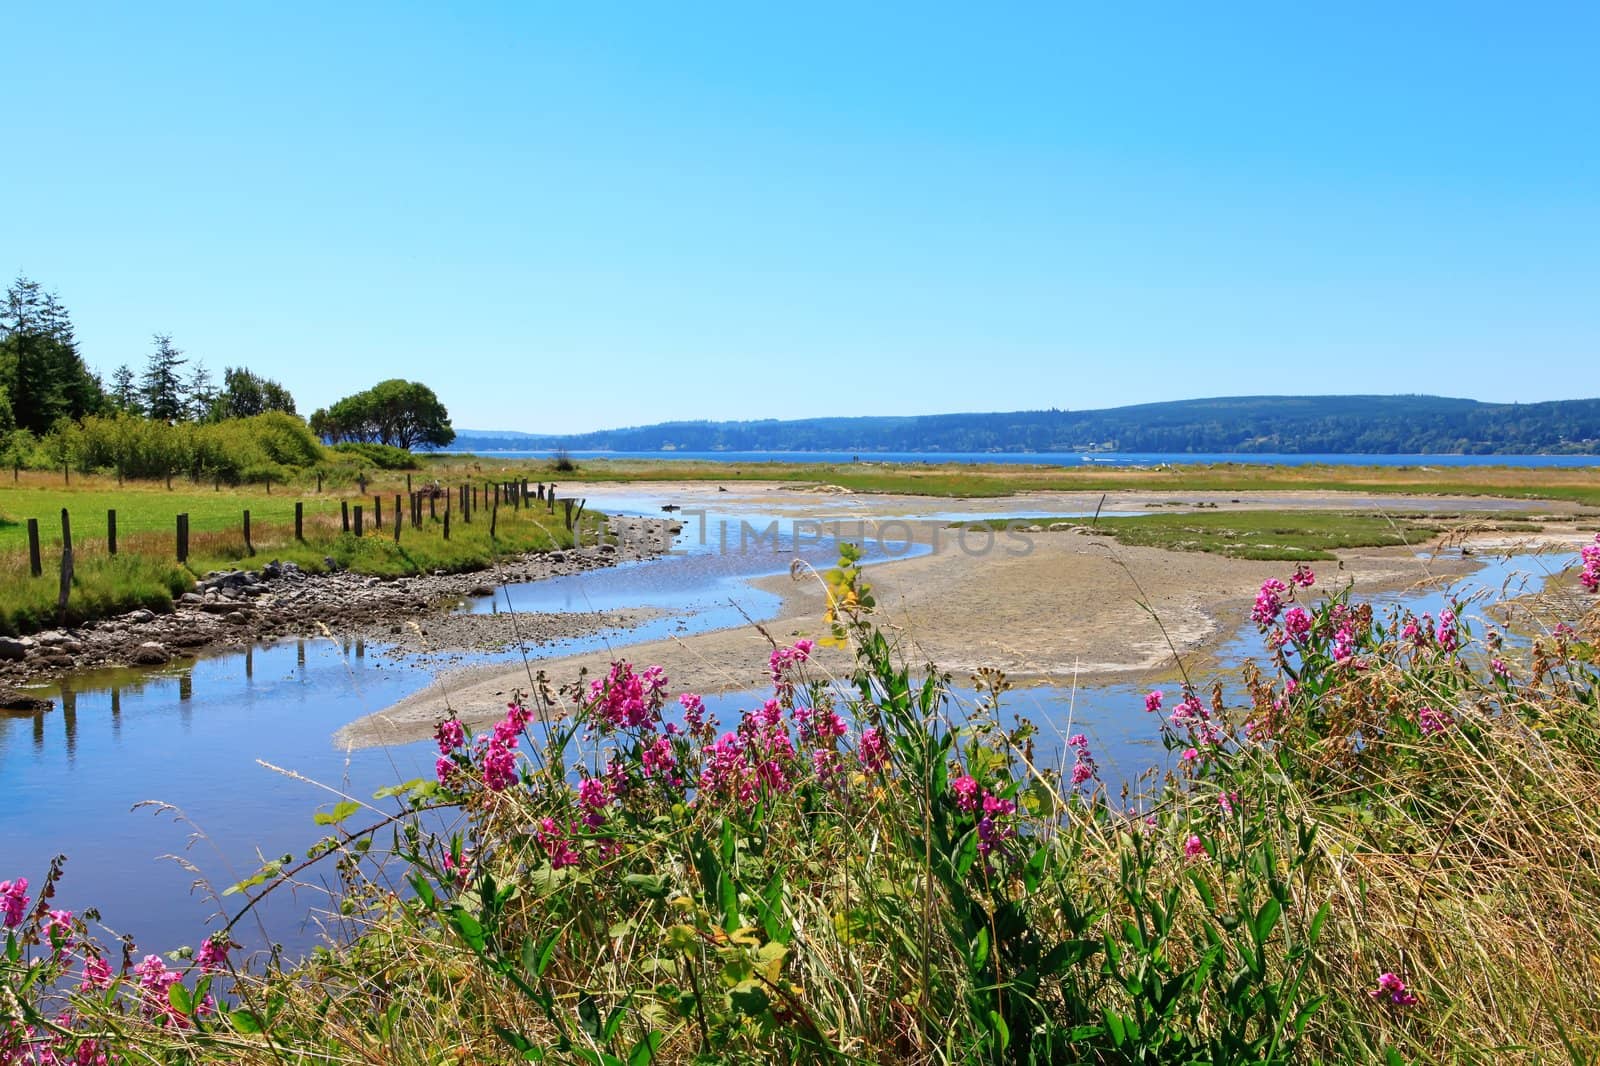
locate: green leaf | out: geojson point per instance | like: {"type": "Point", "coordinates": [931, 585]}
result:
{"type": "Point", "coordinates": [652, 886]}
{"type": "Point", "coordinates": [470, 929]}
{"type": "Point", "coordinates": [396, 790]}
{"type": "Point", "coordinates": [341, 810]}
{"type": "Point", "coordinates": [644, 1052]}
{"type": "Point", "coordinates": [180, 999]}
{"type": "Point", "coordinates": [245, 1021]}
{"type": "Point", "coordinates": [1266, 920]}
{"type": "Point", "coordinates": [589, 1015]}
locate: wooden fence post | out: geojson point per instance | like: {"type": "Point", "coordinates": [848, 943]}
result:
{"type": "Point", "coordinates": [269, 484]}
{"type": "Point", "coordinates": [111, 531]}
{"type": "Point", "coordinates": [408, 482]}
{"type": "Point", "coordinates": [249, 549]}
{"type": "Point", "coordinates": [447, 523]}
{"type": "Point", "coordinates": [319, 481]}
{"type": "Point", "coordinates": [183, 538]}
{"type": "Point", "coordinates": [494, 517]}
{"type": "Point", "coordinates": [433, 508]}
{"type": "Point", "coordinates": [299, 520]}
{"type": "Point", "coordinates": [397, 518]}
{"type": "Point", "coordinates": [377, 513]}
{"type": "Point", "coordinates": [66, 564]}
{"type": "Point", "coordinates": [344, 514]}
{"type": "Point", "coordinates": [358, 520]}
{"type": "Point", "coordinates": [34, 565]}
{"type": "Point", "coordinates": [566, 505]}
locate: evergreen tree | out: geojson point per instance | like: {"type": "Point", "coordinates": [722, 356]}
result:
{"type": "Point", "coordinates": [164, 395]}
{"type": "Point", "coordinates": [39, 361]}
{"type": "Point", "coordinates": [124, 392]}
{"type": "Point", "coordinates": [201, 394]}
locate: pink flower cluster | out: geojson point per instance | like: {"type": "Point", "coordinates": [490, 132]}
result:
{"type": "Point", "coordinates": [783, 660]}
{"type": "Point", "coordinates": [1430, 721]}
{"type": "Point", "coordinates": [1084, 767]}
{"type": "Point", "coordinates": [1591, 565]}
{"type": "Point", "coordinates": [873, 752]}
{"type": "Point", "coordinates": [1269, 602]}
{"type": "Point", "coordinates": [14, 901]}
{"type": "Point", "coordinates": [973, 798]}
{"type": "Point", "coordinates": [1191, 716]}
{"type": "Point", "coordinates": [1393, 990]}
{"type": "Point", "coordinates": [556, 844]}
{"type": "Point", "coordinates": [498, 751]}
{"type": "Point", "coordinates": [155, 982]}
{"type": "Point", "coordinates": [627, 700]}
{"type": "Point", "coordinates": [213, 954]}
{"type": "Point", "coordinates": [1193, 848]}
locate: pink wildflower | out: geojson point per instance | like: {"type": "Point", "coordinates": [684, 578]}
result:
{"type": "Point", "coordinates": [1297, 623]}
{"type": "Point", "coordinates": [1193, 849]}
{"type": "Point", "coordinates": [1303, 576]}
{"type": "Point", "coordinates": [1391, 988]}
{"type": "Point", "coordinates": [14, 901]}
{"type": "Point", "coordinates": [783, 659]}
{"type": "Point", "coordinates": [213, 954]}
{"type": "Point", "coordinates": [450, 736]}
{"type": "Point", "coordinates": [96, 974]}
{"type": "Point", "coordinates": [1431, 721]}
{"type": "Point", "coordinates": [1269, 601]}
{"type": "Point", "coordinates": [1190, 755]}
{"type": "Point", "coordinates": [1226, 801]}
{"type": "Point", "coordinates": [1591, 565]}
{"type": "Point", "coordinates": [872, 753]}
{"type": "Point", "coordinates": [624, 699]}
{"type": "Point", "coordinates": [58, 920]}
{"type": "Point", "coordinates": [1152, 700]}
{"type": "Point", "coordinates": [1083, 766]}
{"type": "Point", "coordinates": [967, 792]}
{"type": "Point", "coordinates": [555, 844]}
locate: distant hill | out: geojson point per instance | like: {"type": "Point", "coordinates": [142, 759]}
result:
{"type": "Point", "coordinates": [1333, 424]}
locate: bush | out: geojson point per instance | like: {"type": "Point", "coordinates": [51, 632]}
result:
{"type": "Point", "coordinates": [382, 456]}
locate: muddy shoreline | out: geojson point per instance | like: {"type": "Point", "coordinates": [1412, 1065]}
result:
{"type": "Point", "coordinates": [237, 608]}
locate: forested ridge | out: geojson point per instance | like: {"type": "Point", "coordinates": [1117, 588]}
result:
{"type": "Point", "coordinates": [1412, 424]}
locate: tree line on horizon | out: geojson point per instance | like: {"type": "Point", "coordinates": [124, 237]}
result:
{"type": "Point", "coordinates": [1379, 425]}
{"type": "Point", "coordinates": [56, 411]}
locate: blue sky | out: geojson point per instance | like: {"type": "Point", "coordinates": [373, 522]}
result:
{"type": "Point", "coordinates": [565, 217]}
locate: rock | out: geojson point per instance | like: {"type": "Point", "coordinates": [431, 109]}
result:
{"type": "Point", "coordinates": [224, 606]}
{"type": "Point", "coordinates": [236, 618]}
{"type": "Point", "coordinates": [12, 700]}
{"type": "Point", "coordinates": [191, 598]}
{"type": "Point", "coordinates": [480, 591]}
{"type": "Point", "coordinates": [50, 638]}
{"type": "Point", "coordinates": [1060, 527]}
{"type": "Point", "coordinates": [142, 616]}
{"type": "Point", "coordinates": [54, 658]}
{"type": "Point", "coordinates": [150, 653]}
{"type": "Point", "coordinates": [189, 638]}
{"type": "Point", "coordinates": [16, 648]}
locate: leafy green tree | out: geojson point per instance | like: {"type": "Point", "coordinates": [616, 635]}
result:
{"type": "Point", "coordinates": [402, 414]}
{"type": "Point", "coordinates": [8, 420]}
{"type": "Point", "coordinates": [164, 394]}
{"type": "Point", "coordinates": [245, 394]}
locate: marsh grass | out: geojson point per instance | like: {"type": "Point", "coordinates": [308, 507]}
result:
{"type": "Point", "coordinates": [905, 882]}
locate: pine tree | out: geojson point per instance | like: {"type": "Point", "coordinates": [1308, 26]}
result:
{"type": "Point", "coordinates": [124, 392]}
{"type": "Point", "coordinates": [39, 361]}
{"type": "Point", "coordinates": [201, 394]}
{"type": "Point", "coordinates": [164, 396]}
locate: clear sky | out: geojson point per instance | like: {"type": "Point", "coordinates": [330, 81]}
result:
{"type": "Point", "coordinates": [576, 216]}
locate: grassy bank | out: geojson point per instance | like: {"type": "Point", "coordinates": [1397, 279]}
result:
{"type": "Point", "coordinates": [1577, 485]}
{"type": "Point", "coordinates": [1305, 536]}
{"type": "Point", "coordinates": [1381, 848]}
{"type": "Point", "coordinates": [145, 572]}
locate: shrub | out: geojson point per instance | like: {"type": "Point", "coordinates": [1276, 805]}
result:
{"type": "Point", "coordinates": [382, 456]}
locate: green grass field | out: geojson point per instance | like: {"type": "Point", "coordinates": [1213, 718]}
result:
{"type": "Point", "coordinates": [146, 573]}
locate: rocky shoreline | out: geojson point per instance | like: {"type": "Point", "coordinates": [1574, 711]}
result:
{"type": "Point", "coordinates": [236, 608]}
